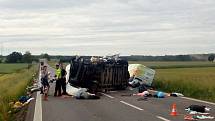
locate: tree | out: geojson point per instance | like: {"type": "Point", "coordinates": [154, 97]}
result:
{"type": "Point", "coordinates": [45, 55]}
{"type": "Point", "coordinates": [27, 57]}
{"type": "Point", "coordinates": [211, 58]}
{"type": "Point", "coordinates": [14, 57]}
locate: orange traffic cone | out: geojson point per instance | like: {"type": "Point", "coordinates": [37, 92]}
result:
{"type": "Point", "coordinates": [173, 112]}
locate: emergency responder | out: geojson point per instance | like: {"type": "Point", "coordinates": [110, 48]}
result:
{"type": "Point", "coordinates": [58, 81]}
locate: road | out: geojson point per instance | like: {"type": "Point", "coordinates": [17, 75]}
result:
{"type": "Point", "coordinates": [112, 106]}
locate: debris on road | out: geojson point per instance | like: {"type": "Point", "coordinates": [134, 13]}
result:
{"type": "Point", "coordinates": [22, 101]}
{"type": "Point", "coordinates": [33, 88]}
{"type": "Point", "coordinates": [196, 117]}
{"type": "Point", "coordinates": [160, 94]}
{"type": "Point", "coordinates": [141, 74]}
{"type": "Point", "coordinates": [197, 108]}
{"type": "Point", "coordinates": [80, 93]}
{"type": "Point", "coordinates": [145, 93]}
{"type": "Point", "coordinates": [176, 94]}
{"type": "Point", "coordinates": [190, 118]}
{"type": "Point", "coordinates": [198, 112]}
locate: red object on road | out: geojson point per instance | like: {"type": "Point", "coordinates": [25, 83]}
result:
{"type": "Point", "coordinates": [173, 112]}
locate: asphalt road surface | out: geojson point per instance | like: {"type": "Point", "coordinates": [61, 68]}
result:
{"type": "Point", "coordinates": [113, 106]}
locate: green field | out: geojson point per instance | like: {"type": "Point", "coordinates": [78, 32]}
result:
{"type": "Point", "coordinates": [175, 64]}
{"type": "Point", "coordinates": [192, 82]}
{"type": "Point", "coordinates": [10, 68]}
{"type": "Point", "coordinates": [13, 85]}
{"type": "Point", "coordinates": [193, 79]}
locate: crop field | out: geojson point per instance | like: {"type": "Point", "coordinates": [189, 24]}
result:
{"type": "Point", "coordinates": [174, 64]}
{"type": "Point", "coordinates": [193, 79]}
{"type": "Point", "coordinates": [10, 68]}
{"type": "Point", "coordinates": [192, 82]}
{"type": "Point", "coordinates": [12, 86]}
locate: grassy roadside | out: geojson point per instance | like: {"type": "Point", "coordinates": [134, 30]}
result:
{"type": "Point", "coordinates": [11, 87]}
{"type": "Point", "coordinates": [10, 68]}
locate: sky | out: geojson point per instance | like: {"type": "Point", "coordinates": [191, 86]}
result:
{"type": "Point", "coordinates": [102, 27]}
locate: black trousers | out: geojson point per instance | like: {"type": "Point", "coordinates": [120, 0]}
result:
{"type": "Point", "coordinates": [63, 85]}
{"type": "Point", "coordinates": [58, 88]}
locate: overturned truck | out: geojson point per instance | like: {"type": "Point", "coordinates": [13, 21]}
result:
{"type": "Point", "coordinates": [105, 74]}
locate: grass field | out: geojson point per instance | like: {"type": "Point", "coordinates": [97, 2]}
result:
{"type": "Point", "coordinates": [12, 86]}
{"type": "Point", "coordinates": [192, 82]}
{"type": "Point", "coordinates": [175, 64]}
{"type": "Point", "coordinates": [10, 68]}
{"type": "Point", "coordinates": [193, 79]}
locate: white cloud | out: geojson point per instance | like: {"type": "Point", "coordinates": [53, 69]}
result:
{"type": "Point", "coordinates": [68, 27]}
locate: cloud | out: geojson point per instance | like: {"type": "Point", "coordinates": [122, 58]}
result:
{"type": "Point", "coordinates": [150, 27]}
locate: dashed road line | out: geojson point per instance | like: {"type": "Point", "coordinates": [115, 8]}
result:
{"type": "Point", "coordinates": [162, 118]}
{"type": "Point", "coordinates": [107, 95]}
{"type": "Point", "coordinates": [131, 105]}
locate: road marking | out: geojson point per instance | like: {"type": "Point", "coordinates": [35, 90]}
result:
{"type": "Point", "coordinates": [162, 118]}
{"type": "Point", "coordinates": [198, 100]}
{"type": "Point", "coordinates": [38, 104]}
{"type": "Point", "coordinates": [131, 105]}
{"type": "Point", "coordinates": [108, 95]}
{"type": "Point", "coordinates": [38, 108]}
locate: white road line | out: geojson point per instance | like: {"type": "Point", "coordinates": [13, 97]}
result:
{"type": "Point", "coordinates": [38, 108]}
{"type": "Point", "coordinates": [108, 95]}
{"type": "Point", "coordinates": [38, 104]}
{"type": "Point", "coordinates": [198, 100]}
{"type": "Point", "coordinates": [131, 105]}
{"type": "Point", "coordinates": [162, 118]}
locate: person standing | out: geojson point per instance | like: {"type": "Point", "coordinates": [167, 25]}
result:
{"type": "Point", "coordinates": [44, 81]}
{"type": "Point", "coordinates": [58, 81]}
{"type": "Point", "coordinates": [63, 79]}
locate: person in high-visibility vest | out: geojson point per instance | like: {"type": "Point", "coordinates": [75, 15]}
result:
{"type": "Point", "coordinates": [58, 81]}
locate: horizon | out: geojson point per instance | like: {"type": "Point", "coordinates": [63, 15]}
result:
{"type": "Point", "coordinates": [113, 54]}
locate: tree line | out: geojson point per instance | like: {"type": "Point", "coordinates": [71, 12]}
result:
{"type": "Point", "coordinates": [200, 57]}
{"type": "Point", "coordinates": [27, 57]}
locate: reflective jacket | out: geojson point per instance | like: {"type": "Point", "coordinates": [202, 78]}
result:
{"type": "Point", "coordinates": [58, 73]}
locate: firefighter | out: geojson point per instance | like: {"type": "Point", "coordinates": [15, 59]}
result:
{"type": "Point", "coordinates": [58, 81]}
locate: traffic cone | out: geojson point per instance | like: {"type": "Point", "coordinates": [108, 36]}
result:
{"type": "Point", "coordinates": [173, 112]}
